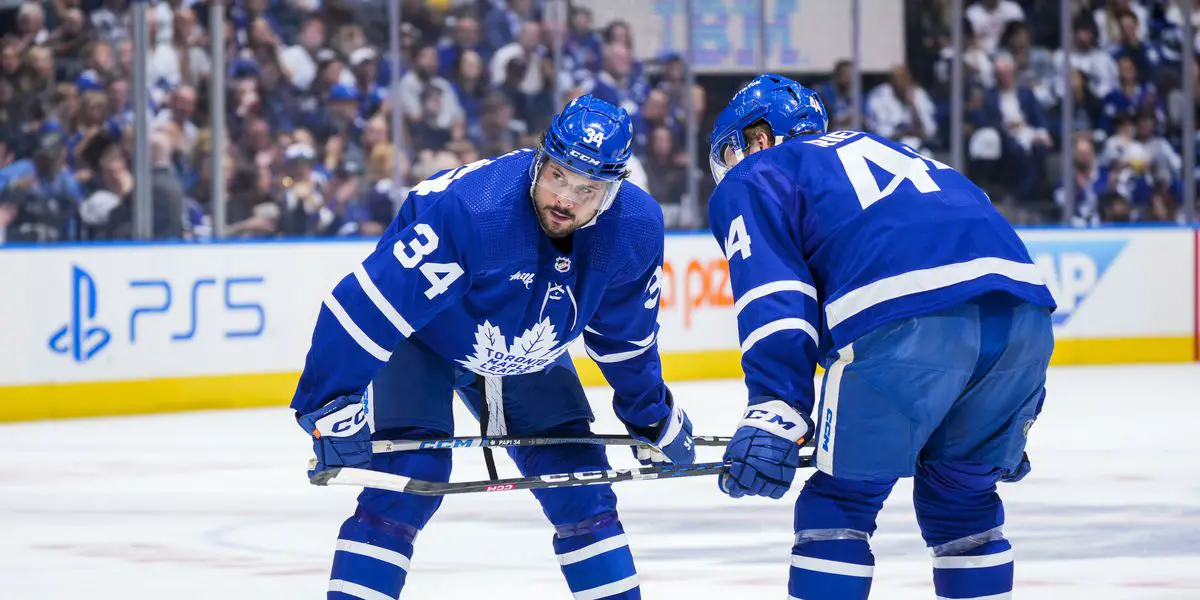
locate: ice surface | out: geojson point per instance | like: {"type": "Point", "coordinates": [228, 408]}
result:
{"type": "Point", "coordinates": [216, 505]}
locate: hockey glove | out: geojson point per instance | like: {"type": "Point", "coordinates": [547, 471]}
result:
{"type": "Point", "coordinates": [670, 439]}
{"type": "Point", "coordinates": [340, 434]}
{"type": "Point", "coordinates": [765, 450]}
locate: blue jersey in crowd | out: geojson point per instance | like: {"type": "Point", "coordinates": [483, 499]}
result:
{"type": "Point", "coordinates": [466, 269]}
{"type": "Point", "coordinates": [843, 232]}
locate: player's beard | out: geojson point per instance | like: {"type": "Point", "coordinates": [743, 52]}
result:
{"type": "Point", "coordinates": [556, 228]}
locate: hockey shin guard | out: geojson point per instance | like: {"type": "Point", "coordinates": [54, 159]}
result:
{"type": "Point", "coordinates": [372, 558]}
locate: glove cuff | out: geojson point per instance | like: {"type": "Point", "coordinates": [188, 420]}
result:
{"type": "Point", "coordinates": [776, 417]}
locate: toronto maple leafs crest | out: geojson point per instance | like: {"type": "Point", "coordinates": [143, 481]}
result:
{"type": "Point", "coordinates": [529, 352]}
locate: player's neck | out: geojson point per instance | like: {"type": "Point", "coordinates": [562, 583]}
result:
{"type": "Point", "coordinates": [563, 244]}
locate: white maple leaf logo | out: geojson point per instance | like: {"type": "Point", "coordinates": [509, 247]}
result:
{"type": "Point", "coordinates": [532, 351]}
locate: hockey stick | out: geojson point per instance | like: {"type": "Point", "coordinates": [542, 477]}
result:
{"type": "Point", "coordinates": [454, 443]}
{"type": "Point", "coordinates": [399, 483]}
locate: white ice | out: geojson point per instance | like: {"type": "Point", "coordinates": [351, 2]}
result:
{"type": "Point", "coordinates": [216, 505]}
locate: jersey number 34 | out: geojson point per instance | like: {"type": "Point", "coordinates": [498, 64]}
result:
{"type": "Point", "coordinates": [412, 255]}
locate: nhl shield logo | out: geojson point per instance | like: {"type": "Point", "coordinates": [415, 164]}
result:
{"type": "Point", "coordinates": [562, 264]}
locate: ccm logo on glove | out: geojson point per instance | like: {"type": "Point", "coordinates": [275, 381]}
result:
{"type": "Point", "coordinates": [343, 422]}
{"type": "Point", "coordinates": [777, 417]}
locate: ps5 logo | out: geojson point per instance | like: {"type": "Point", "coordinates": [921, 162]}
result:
{"type": "Point", "coordinates": [81, 338]}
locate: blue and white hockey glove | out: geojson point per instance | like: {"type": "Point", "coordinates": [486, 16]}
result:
{"type": "Point", "coordinates": [340, 434]}
{"type": "Point", "coordinates": [671, 439]}
{"type": "Point", "coordinates": [765, 450]}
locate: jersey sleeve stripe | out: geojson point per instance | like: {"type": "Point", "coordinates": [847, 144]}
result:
{"type": "Point", "coordinates": [924, 280]}
{"type": "Point", "coordinates": [364, 342]}
{"type": "Point", "coordinates": [616, 356]}
{"type": "Point", "coordinates": [385, 307]}
{"type": "Point", "coordinates": [775, 327]}
{"type": "Point", "coordinates": [774, 287]}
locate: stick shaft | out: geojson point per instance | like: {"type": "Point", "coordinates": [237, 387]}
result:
{"type": "Point", "coordinates": [455, 443]}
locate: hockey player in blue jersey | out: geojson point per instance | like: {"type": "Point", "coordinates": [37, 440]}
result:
{"type": "Point", "coordinates": [894, 273]}
{"type": "Point", "coordinates": [485, 277]}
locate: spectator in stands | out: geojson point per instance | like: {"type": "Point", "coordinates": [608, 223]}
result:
{"type": "Point", "coordinates": [1034, 65]}
{"type": "Point", "coordinates": [1108, 20]}
{"type": "Point", "coordinates": [181, 110]}
{"type": "Point", "coordinates": [447, 115]}
{"type": "Point", "coordinates": [109, 21]}
{"type": "Point", "coordinates": [195, 65]}
{"type": "Point", "coordinates": [989, 18]}
{"type": "Point", "coordinates": [668, 183]}
{"type": "Point", "coordinates": [470, 84]}
{"type": "Point", "coordinates": [1165, 164]}
{"type": "Point", "coordinates": [364, 65]}
{"type": "Point", "coordinates": [300, 59]}
{"type": "Point", "coordinates": [528, 49]}
{"type": "Point", "coordinates": [1088, 109]}
{"type": "Point", "coordinates": [1130, 96]}
{"type": "Point", "coordinates": [301, 198]}
{"type": "Point", "coordinates": [498, 132]}
{"type": "Point", "coordinates": [107, 213]}
{"type": "Point", "coordinates": [901, 110]}
{"type": "Point", "coordinates": [1089, 59]}
{"type": "Point", "coordinates": [1090, 182]}
{"type": "Point", "coordinates": [654, 114]}
{"type": "Point", "coordinates": [1014, 110]}
{"type": "Point", "coordinates": [1144, 53]}
{"type": "Point", "coordinates": [504, 21]}
{"type": "Point", "coordinates": [67, 43]}
{"type": "Point", "coordinates": [583, 47]}
{"type": "Point", "coordinates": [166, 190]}
{"type": "Point", "coordinates": [41, 194]}
{"type": "Point", "coordinates": [466, 38]}
{"type": "Point", "coordinates": [619, 83]}
{"type": "Point", "coordinates": [839, 98]}
{"type": "Point", "coordinates": [381, 187]}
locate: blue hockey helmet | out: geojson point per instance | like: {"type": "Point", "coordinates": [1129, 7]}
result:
{"type": "Point", "coordinates": [789, 108]}
{"type": "Point", "coordinates": [592, 138]}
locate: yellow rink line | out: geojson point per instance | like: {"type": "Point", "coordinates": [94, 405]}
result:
{"type": "Point", "coordinates": [173, 394]}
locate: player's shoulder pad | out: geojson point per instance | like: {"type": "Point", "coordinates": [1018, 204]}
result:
{"type": "Point", "coordinates": [627, 239]}
{"type": "Point", "coordinates": [495, 198]}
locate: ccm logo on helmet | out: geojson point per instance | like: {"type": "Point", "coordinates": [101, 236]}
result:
{"type": "Point", "coordinates": [585, 158]}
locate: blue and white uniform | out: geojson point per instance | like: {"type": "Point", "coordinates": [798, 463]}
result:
{"type": "Point", "coordinates": [466, 294]}
{"type": "Point", "coordinates": [893, 272]}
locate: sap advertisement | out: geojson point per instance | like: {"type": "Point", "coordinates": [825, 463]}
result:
{"type": "Point", "coordinates": [80, 314]}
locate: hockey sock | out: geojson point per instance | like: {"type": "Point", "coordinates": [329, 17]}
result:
{"type": "Point", "coordinates": [833, 569]}
{"type": "Point", "coordinates": [982, 572]}
{"type": "Point", "coordinates": [372, 558]}
{"type": "Point", "coordinates": [596, 560]}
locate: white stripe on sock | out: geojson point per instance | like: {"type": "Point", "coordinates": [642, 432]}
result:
{"type": "Point", "coordinates": [1004, 596]}
{"type": "Point", "coordinates": [358, 591]}
{"type": "Point", "coordinates": [597, 548]}
{"type": "Point", "coordinates": [821, 565]}
{"type": "Point", "coordinates": [982, 561]}
{"type": "Point", "coordinates": [608, 589]}
{"type": "Point", "coordinates": [383, 554]}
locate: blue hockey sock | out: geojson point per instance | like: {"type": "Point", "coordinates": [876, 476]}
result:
{"type": "Point", "coordinates": [833, 569]}
{"type": "Point", "coordinates": [372, 558]}
{"type": "Point", "coordinates": [983, 572]}
{"type": "Point", "coordinates": [596, 560]}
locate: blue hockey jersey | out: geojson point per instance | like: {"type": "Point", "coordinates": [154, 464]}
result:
{"type": "Point", "coordinates": [466, 269]}
{"type": "Point", "coordinates": [830, 236]}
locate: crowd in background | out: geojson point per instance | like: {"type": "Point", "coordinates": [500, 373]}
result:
{"type": "Point", "coordinates": [308, 130]}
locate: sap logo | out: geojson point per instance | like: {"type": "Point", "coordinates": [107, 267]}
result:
{"type": "Point", "coordinates": [585, 158]}
{"type": "Point", "coordinates": [756, 413]}
{"type": "Point", "coordinates": [1072, 270]}
{"type": "Point", "coordinates": [526, 278]}
{"type": "Point", "coordinates": [827, 430]}
{"type": "Point", "coordinates": [81, 338]}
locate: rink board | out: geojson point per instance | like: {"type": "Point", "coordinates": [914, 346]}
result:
{"type": "Point", "coordinates": [135, 328]}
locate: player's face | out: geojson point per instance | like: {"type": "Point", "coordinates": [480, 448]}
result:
{"type": "Point", "coordinates": [566, 200]}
